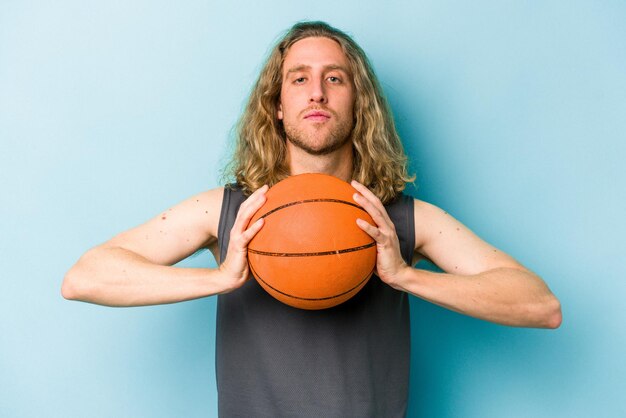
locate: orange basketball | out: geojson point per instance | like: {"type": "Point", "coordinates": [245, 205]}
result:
{"type": "Point", "coordinates": [310, 253]}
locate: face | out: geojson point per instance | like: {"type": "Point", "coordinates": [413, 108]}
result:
{"type": "Point", "coordinates": [317, 96]}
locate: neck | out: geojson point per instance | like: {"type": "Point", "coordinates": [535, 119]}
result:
{"type": "Point", "coordinates": [337, 163]}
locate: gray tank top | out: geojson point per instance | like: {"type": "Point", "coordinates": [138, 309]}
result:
{"type": "Point", "coordinates": [352, 360]}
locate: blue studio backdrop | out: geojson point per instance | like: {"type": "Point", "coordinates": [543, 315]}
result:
{"type": "Point", "coordinates": [512, 113]}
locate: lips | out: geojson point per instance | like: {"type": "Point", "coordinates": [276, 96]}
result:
{"type": "Point", "coordinates": [317, 115]}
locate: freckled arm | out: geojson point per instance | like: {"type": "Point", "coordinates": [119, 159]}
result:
{"type": "Point", "coordinates": [478, 280]}
{"type": "Point", "coordinates": [137, 268]}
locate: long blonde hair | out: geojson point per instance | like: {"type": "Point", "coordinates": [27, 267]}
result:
{"type": "Point", "coordinates": [260, 155]}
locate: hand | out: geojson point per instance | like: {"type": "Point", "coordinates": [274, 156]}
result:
{"type": "Point", "coordinates": [389, 262]}
{"type": "Point", "coordinates": [235, 267]}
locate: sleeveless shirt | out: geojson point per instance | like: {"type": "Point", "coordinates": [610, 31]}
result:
{"type": "Point", "coordinates": [352, 360]}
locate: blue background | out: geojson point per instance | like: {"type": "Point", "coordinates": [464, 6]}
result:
{"type": "Point", "coordinates": [512, 112]}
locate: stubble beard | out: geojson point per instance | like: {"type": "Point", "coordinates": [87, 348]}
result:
{"type": "Point", "coordinates": [310, 141]}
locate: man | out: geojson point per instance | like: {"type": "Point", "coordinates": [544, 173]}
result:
{"type": "Point", "coordinates": [316, 107]}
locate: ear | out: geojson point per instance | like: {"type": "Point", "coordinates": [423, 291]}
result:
{"type": "Point", "coordinates": [279, 112]}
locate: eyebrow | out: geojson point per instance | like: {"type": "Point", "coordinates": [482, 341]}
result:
{"type": "Point", "coordinates": [302, 67]}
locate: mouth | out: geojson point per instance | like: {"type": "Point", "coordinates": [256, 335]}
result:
{"type": "Point", "coordinates": [317, 115]}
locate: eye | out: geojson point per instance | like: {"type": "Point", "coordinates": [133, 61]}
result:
{"type": "Point", "coordinates": [334, 80]}
{"type": "Point", "coordinates": [299, 80]}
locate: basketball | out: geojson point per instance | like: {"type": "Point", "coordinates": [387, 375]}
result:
{"type": "Point", "coordinates": [310, 254]}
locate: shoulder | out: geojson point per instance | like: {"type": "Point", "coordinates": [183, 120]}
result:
{"type": "Point", "coordinates": [207, 200]}
{"type": "Point", "coordinates": [209, 204]}
{"type": "Point", "coordinates": [430, 221]}
{"type": "Point", "coordinates": [201, 211]}
{"type": "Point", "coordinates": [176, 232]}
{"type": "Point", "coordinates": [427, 209]}
{"type": "Point", "coordinates": [452, 246]}
{"type": "Point", "coordinates": [212, 197]}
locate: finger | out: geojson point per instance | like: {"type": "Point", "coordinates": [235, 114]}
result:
{"type": "Point", "coordinates": [367, 193]}
{"type": "Point", "coordinates": [248, 208]}
{"type": "Point", "coordinates": [239, 243]}
{"type": "Point", "coordinates": [371, 200]}
{"type": "Point", "coordinates": [379, 216]}
{"type": "Point", "coordinates": [255, 199]}
{"type": "Point", "coordinates": [369, 229]}
{"type": "Point", "coordinates": [249, 233]}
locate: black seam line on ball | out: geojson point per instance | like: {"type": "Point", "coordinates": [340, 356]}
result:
{"type": "Point", "coordinates": [300, 202]}
{"type": "Point", "coordinates": [311, 299]}
{"type": "Point", "coordinates": [319, 253]}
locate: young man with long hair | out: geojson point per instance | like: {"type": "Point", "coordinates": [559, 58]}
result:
{"type": "Point", "coordinates": [316, 107]}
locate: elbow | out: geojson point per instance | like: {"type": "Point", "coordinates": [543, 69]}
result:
{"type": "Point", "coordinates": [69, 288]}
{"type": "Point", "coordinates": [553, 317]}
{"type": "Point", "coordinates": [545, 314]}
{"type": "Point", "coordinates": [77, 284]}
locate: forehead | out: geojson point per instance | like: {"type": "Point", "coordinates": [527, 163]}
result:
{"type": "Point", "coordinates": [315, 52]}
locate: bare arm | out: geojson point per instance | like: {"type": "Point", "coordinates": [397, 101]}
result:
{"type": "Point", "coordinates": [479, 280]}
{"type": "Point", "coordinates": [135, 267]}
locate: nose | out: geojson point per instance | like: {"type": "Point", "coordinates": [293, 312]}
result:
{"type": "Point", "coordinates": [318, 92]}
